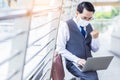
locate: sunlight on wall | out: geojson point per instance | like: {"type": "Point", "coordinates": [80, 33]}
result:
{"type": "Point", "coordinates": [42, 2]}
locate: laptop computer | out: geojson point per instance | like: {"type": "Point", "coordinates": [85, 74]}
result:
{"type": "Point", "coordinates": [96, 63]}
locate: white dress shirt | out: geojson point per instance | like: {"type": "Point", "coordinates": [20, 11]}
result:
{"type": "Point", "coordinates": [63, 37]}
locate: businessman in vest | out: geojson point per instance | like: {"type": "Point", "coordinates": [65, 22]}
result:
{"type": "Point", "coordinates": [76, 39]}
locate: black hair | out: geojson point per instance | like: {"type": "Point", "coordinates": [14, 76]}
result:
{"type": "Point", "coordinates": [87, 5]}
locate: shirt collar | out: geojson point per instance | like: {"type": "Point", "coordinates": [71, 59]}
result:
{"type": "Point", "coordinates": [74, 19]}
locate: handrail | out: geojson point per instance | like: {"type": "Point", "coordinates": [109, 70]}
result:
{"type": "Point", "coordinates": [38, 51]}
{"type": "Point", "coordinates": [45, 9]}
{"type": "Point", "coordinates": [115, 36]}
{"type": "Point", "coordinates": [69, 6]}
{"type": "Point", "coordinates": [45, 74]}
{"type": "Point", "coordinates": [16, 13]}
{"type": "Point", "coordinates": [42, 69]}
{"type": "Point", "coordinates": [44, 24]}
{"type": "Point", "coordinates": [12, 13]}
{"type": "Point", "coordinates": [39, 64]}
{"type": "Point", "coordinates": [41, 38]}
{"type": "Point", "coordinates": [44, 65]}
{"type": "Point", "coordinates": [11, 36]}
{"type": "Point", "coordinates": [16, 53]}
{"type": "Point", "coordinates": [13, 74]}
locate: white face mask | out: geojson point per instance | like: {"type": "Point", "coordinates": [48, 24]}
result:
{"type": "Point", "coordinates": [82, 22]}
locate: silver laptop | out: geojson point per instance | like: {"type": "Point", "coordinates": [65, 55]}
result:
{"type": "Point", "coordinates": [96, 63]}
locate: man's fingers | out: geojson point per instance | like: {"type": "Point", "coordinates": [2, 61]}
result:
{"type": "Point", "coordinates": [82, 62]}
{"type": "Point", "coordinates": [94, 34]}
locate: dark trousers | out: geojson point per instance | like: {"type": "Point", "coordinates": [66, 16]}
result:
{"type": "Point", "coordinates": [83, 75]}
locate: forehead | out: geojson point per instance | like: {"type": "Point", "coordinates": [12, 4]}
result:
{"type": "Point", "coordinates": [87, 13]}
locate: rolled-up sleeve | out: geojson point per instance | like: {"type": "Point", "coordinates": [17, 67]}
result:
{"type": "Point", "coordinates": [95, 45]}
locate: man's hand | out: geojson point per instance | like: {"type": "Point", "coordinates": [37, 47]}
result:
{"type": "Point", "coordinates": [94, 34]}
{"type": "Point", "coordinates": [81, 62]}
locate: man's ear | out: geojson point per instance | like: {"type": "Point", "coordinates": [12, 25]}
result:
{"type": "Point", "coordinates": [76, 14]}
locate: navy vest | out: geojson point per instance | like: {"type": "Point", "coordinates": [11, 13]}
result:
{"type": "Point", "coordinates": [77, 44]}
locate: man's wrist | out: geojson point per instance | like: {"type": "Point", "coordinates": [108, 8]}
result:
{"type": "Point", "coordinates": [76, 60]}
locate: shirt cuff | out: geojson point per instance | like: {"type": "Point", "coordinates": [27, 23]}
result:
{"type": "Point", "coordinates": [76, 60]}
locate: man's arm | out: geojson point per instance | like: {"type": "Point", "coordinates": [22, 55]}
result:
{"type": "Point", "coordinates": [95, 42]}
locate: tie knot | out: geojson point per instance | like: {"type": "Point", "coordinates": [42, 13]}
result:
{"type": "Point", "coordinates": [82, 27]}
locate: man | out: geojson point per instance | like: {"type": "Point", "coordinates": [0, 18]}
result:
{"type": "Point", "coordinates": [76, 39]}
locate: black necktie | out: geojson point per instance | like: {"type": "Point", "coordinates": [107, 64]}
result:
{"type": "Point", "coordinates": [83, 31]}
